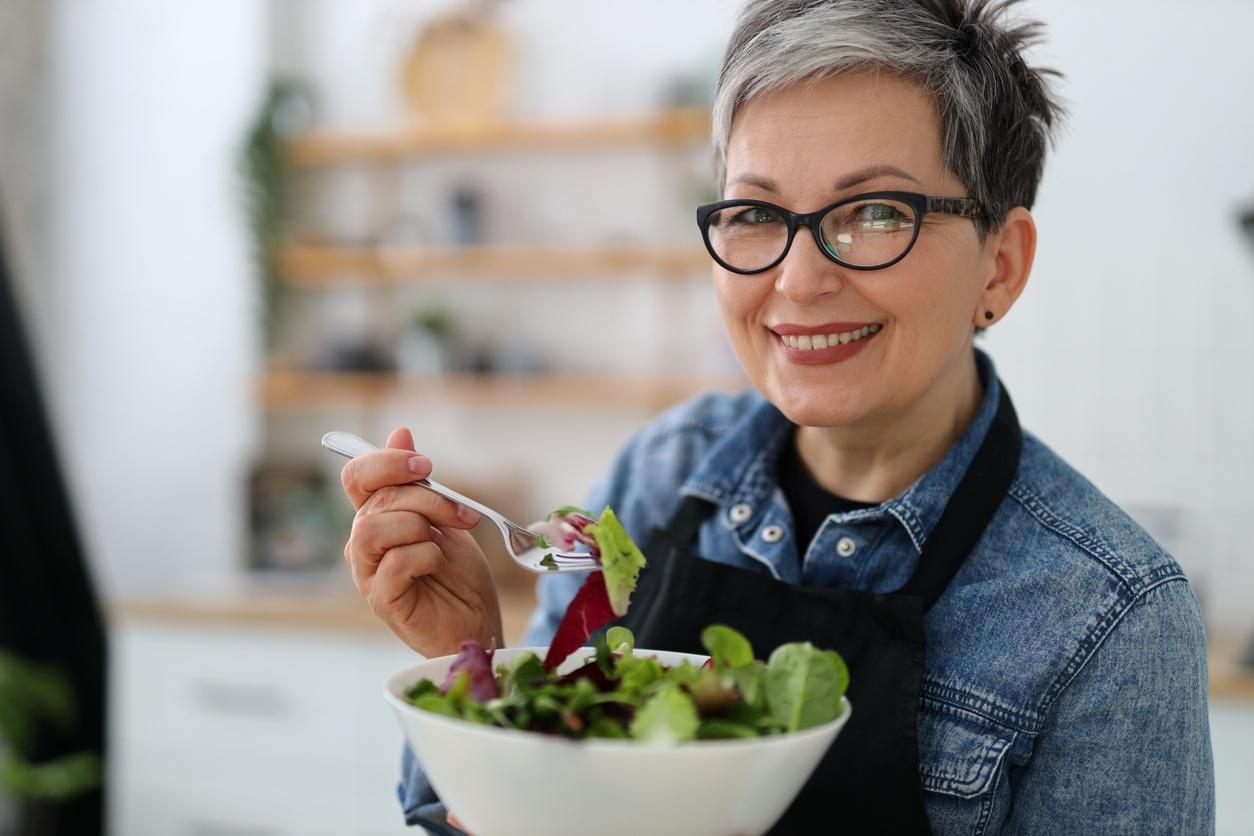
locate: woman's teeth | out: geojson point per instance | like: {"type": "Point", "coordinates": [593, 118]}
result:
{"type": "Point", "coordinates": [806, 342]}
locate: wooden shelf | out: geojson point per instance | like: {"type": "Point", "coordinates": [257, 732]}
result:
{"type": "Point", "coordinates": [318, 266]}
{"type": "Point", "coordinates": [293, 390]}
{"type": "Point", "coordinates": [328, 147]}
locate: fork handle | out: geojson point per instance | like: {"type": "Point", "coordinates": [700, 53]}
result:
{"type": "Point", "coordinates": [350, 446]}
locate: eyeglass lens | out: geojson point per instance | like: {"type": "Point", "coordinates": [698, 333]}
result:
{"type": "Point", "coordinates": [864, 233]}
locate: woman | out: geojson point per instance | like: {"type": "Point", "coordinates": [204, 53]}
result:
{"type": "Point", "coordinates": [1023, 656]}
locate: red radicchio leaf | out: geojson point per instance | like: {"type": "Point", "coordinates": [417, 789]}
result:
{"type": "Point", "coordinates": [588, 612]}
{"type": "Point", "coordinates": [477, 662]}
{"type": "Point", "coordinates": [565, 532]}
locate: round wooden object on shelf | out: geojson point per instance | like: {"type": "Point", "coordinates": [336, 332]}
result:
{"type": "Point", "coordinates": [457, 70]}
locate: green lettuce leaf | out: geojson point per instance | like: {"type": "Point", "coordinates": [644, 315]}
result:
{"type": "Point", "coordinates": [620, 640]}
{"type": "Point", "coordinates": [621, 560]}
{"type": "Point", "coordinates": [668, 717]}
{"type": "Point", "coordinates": [635, 673]}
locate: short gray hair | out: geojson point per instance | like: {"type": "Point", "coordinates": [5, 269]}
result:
{"type": "Point", "coordinates": [996, 114]}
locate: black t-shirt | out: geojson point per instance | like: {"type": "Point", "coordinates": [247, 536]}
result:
{"type": "Point", "coordinates": [809, 501]}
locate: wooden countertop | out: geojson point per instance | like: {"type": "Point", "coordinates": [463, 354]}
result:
{"type": "Point", "coordinates": [1229, 680]}
{"type": "Point", "coordinates": [338, 608]}
{"type": "Point", "coordinates": [316, 608]}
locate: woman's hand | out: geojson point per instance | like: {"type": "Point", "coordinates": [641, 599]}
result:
{"type": "Point", "coordinates": [412, 555]}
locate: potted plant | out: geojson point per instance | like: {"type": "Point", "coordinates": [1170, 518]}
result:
{"type": "Point", "coordinates": [36, 699]}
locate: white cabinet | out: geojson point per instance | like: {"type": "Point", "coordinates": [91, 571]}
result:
{"type": "Point", "coordinates": [1232, 735]}
{"type": "Point", "coordinates": [233, 730]}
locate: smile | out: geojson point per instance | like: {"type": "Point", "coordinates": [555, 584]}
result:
{"type": "Point", "coordinates": [807, 342]}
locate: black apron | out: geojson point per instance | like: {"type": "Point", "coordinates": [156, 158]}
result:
{"type": "Point", "coordinates": [868, 782]}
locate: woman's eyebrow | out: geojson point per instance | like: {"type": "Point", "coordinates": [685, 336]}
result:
{"type": "Point", "coordinates": [862, 175]}
{"type": "Point", "coordinates": [848, 181]}
{"type": "Point", "coordinates": [764, 183]}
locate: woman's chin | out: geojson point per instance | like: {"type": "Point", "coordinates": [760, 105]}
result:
{"type": "Point", "coordinates": [814, 409]}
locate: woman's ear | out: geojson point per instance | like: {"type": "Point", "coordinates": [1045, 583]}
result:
{"type": "Point", "coordinates": [1008, 255]}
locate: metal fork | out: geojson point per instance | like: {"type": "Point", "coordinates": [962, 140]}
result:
{"type": "Point", "coordinates": [520, 542]}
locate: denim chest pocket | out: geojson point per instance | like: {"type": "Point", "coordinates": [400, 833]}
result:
{"type": "Point", "coordinates": [960, 753]}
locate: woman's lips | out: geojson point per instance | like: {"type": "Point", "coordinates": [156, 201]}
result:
{"type": "Point", "coordinates": [819, 356]}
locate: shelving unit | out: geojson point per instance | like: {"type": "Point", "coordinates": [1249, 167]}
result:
{"type": "Point", "coordinates": [312, 266]}
{"type": "Point", "coordinates": [620, 271]}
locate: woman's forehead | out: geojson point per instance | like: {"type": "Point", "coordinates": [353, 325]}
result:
{"type": "Point", "coordinates": [834, 128]}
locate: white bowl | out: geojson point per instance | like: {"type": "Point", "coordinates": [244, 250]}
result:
{"type": "Point", "coordinates": [502, 782]}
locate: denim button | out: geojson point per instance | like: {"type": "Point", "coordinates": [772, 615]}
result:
{"type": "Point", "coordinates": [772, 533]}
{"type": "Point", "coordinates": [845, 546]}
{"type": "Point", "coordinates": [740, 513]}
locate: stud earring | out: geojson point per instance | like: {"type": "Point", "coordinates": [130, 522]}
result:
{"type": "Point", "coordinates": [988, 315]}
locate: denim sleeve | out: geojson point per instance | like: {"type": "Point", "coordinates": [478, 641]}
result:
{"type": "Point", "coordinates": [1126, 747]}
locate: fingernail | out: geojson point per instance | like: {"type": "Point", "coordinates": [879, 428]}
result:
{"type": "Point", "coordinates": [467, 515]}
{"type": "Point", "coordinates": [437, 535]}
{"type": "Point", "coordinates": [420, 465]}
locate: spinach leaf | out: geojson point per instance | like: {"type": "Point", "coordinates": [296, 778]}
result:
{"type": "Point", "coordinates": [717, 728]}
{"type": "Point", "coordinates": [748, 680]}
{"type": "Point", "coordinates": [728, 647]}
{"type": "Point", "coordinates": [804, 685]}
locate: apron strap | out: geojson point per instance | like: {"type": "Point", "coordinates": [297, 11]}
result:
{"type": "Point", "coordinates": [971, 507]}
{"type": "Point", "coordinates": [687, 520]}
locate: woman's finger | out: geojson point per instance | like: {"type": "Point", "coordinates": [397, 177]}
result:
{"type": "Point", "coordinates": [397, 571]}
{"type": "Point", "coordinates": [365, 474]}
{"type": "Point", "coordinates": [374, 534]}
{"type": "Point", "coordinates": [419, 500]}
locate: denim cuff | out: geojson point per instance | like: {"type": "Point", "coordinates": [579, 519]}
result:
{"type": "Point", "coordinates": [418, 799]}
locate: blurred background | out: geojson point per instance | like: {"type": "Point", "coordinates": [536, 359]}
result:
{"type": "Point", "coordinates": [231, 227]}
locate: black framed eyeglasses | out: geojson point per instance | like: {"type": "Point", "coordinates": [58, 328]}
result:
{"type": "Point", "coordinates": [865, 232]}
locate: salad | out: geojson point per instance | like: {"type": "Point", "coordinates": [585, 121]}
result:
{"type": "Point", "coordinates": [617, 694]}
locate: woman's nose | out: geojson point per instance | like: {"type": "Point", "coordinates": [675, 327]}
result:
{"type": "Point", "coordinates": [806, 273]}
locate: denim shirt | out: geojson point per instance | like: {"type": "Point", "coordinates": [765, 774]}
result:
{"type": "Point", "coordinates": [1064, 689]}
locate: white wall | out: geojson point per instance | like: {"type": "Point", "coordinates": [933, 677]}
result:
{"type": "Point", "coordinates": [23, 79]}
{"type": "Point", "coordinates": [1131, 352]}
{"type": "Point", "coordinates": [153, 345]}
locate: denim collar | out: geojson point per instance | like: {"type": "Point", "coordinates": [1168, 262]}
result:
{"type": "Point", "coordinates": [740, 468]}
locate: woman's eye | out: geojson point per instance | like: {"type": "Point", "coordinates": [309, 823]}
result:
{"type": "Point", "coordinates": [752, 216]}
{"type": "Point", "coordinates": [879, 216]}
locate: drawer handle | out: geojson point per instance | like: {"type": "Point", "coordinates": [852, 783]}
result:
{"type": "Point", "coordinates": [240, 699]}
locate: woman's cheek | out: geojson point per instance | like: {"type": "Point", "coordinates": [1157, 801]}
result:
{"type": "Point", "coordinates": [739, 315]}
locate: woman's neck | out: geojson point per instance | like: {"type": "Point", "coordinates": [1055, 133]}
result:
{"type": "Point", "coordinates": [875, 460]}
